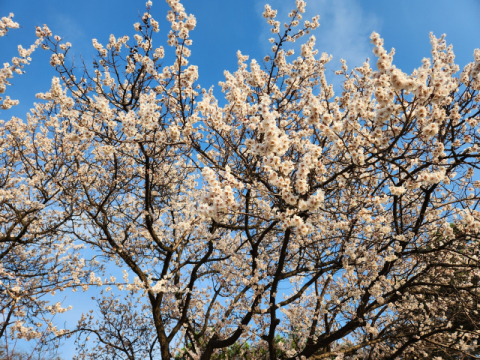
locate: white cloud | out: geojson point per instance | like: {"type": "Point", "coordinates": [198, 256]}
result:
{"type": "Point", "coordinates": [68, 28]}
{"type": "Point", "coordinates": [344, 29]}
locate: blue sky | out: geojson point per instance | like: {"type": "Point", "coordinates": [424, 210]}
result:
{"type": "Point", "coordinates": [225, 26]}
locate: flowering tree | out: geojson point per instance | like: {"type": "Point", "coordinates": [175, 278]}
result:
{"type": "Point", "coordinates": [286, 223]}
{"type": "Point", "coordinates": [35, 257]}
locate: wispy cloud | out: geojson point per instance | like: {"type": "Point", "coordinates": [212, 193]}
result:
{"type": "Point", "coordinates": [68, 27]}
{"type": "Point", "coordinates": [344, 29]}
{"type": "Point", "coordinates": [70, 30]}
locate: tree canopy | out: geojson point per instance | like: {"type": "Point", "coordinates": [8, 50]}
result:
{"type": "Point", "coordinates": [286, 220]}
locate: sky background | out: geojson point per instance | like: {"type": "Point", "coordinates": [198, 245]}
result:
{"type": "Point", "coordinates": [225, 26]}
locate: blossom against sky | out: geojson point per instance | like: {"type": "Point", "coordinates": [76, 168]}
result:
{"type": "Point", "coordinates": [223, 27]}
